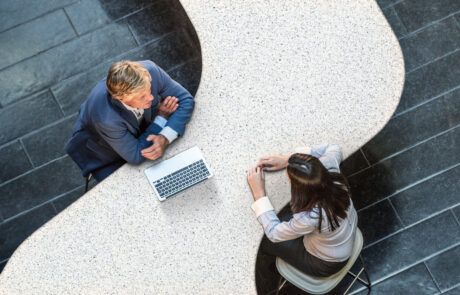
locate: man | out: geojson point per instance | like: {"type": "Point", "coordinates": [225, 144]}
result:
{"type": "Point", "coordinates": [123, 120]}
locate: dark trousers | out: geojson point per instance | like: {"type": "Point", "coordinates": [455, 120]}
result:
{"type": "Point", "coordinates": [101, 173]}
{"type": "Point", "coordinates": [294, 253]}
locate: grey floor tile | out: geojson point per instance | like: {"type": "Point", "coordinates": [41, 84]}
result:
{"type": "Point", "coordinates": [188, 75]}
{"type": "Point", "coordinates": [430, 43]}
{"type": "Point", "coordinates": [14, 12]}
{"type": "Point", "coordinates": [33, 37]}
{"type": "Point", "coordinates": [13, 161]}
{"type": "Point", "coordinates": [411, 246]}
{"type": "Point", "coordinates": [378, 221]}
{"type": "Point", "coordinates": [119, 8]}
{"type": "Point", "coordinates": [72, 92]}
{"type": "Point", "coordinates": [456, 211]}
{"type": "Point", "coordinates": [67, 199]}
{"type": "Point", "coordinates": [39, 186]}
{"type": "Point", "coordinates": [417, 13]}
{"type": "Point", "coordinates": [87, 15]}
{"type": "Point", "coordinates": [414, 126]}
{"type": "Point", "coordinates": [170, 51]}
{"type": "Point", "coordinates": [15, 231]}
{"type": "Point", "coordinates": [454, 291]}
{"type": "Point", "coordinates": [429, 197]}
{"type": "Point", "coordinates": [61, 62]}
{"type": "Point", "coordinates": [430, 81]}
{"type": "Point", "coordinates": [28, 115]}
{"type": "Point", "coordinates": [445, 268]}
{"type": "Point", "coordinates": [385, 3]}
{"type": "Point", "coordinates": [49, 143]}
{"type": "Point", "coordinates": [395, 173]}
{"type": "Point", "coordinates": [354, 163]}
{"type": "Point", "coordinates": [394, 21]}
{"type": "Point", "coordinates": [153, 22]}
{"type": "Point", "coordinates": [415, 280]}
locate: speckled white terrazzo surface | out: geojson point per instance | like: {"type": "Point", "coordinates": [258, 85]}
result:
{"type": "Point", "coordinates": [276, 75]}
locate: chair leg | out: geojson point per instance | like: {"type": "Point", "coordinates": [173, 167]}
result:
{"type": "Point", "coordinates": [281, 284]}
{"type": "Point", "coordinates": [88, 178]}
{"type": "Point", "coordinates": [369, 284]}
{"type": "Point", "coordinates": [357, 278]}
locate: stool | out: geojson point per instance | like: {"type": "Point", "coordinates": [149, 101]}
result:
{"type": "Point", "coordinates": [319, 285]}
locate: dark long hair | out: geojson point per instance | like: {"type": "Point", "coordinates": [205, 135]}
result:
{"type": "Point", "coordinates": [312, 185]}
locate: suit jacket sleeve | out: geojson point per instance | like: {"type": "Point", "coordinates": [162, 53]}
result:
{"type": "Point", "coordinates": [124, 143]}
{"type": "Point", "coordinates": [169, 87]}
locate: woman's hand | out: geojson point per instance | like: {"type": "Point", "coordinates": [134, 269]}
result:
{"type": "Point", "coordinates": [256, 181]}
{"type": "Point", "coordinates": [273, 162]}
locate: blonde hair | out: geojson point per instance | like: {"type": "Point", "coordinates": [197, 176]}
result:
{"type": "Point", "coordinates": [126, 77]}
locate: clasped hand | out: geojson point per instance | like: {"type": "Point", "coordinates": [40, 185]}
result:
{"type": "Point", "coordinates": [156, 150]}
{"type": "Point", "coordinates": [158, 147]}
{"type": "Point", "coordinates": [256, 178]}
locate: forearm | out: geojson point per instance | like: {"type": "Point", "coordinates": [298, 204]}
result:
{"type": "Point", "coordinates": [125, 144]}
{"type": "Point", "coordinates": [182, 115]}
{"type": "Point", "coordinates": [275, 230]}
{"type": "Point", "coordinates": [154, 128]}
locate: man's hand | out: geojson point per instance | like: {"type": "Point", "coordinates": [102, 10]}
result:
{"type": "Point", "coordinates": [168, 106]}
{"type": "Point", "coordinates": [273, 162]}
{"type": "Point", "coordinates": [256, 181]}
{"type": "Point", "coordinates": [157, 149]}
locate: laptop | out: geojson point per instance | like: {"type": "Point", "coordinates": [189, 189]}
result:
{"type": "Point", "coordinates": [178, 173]}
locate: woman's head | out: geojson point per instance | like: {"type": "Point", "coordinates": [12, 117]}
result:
{"type": "Point", "coordinates": [313, 187]}
{"type": "Point", "coordinates": [306, 172]}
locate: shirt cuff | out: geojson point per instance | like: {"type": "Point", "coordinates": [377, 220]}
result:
{"type": "Point", "coordinates": [261, 206]}
{"type": "Point", "coordinates": [303, 150]}
{"type": "Point", "coordinates": [169, 133]}
{"type": "Point", "coordinates": [160, 121]}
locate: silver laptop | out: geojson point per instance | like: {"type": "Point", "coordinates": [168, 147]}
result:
{"type": "Point", "coordinates": [178, 173]}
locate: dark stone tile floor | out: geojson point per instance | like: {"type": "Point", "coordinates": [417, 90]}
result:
{"type": "Point", "coordinates": [405, 180]}
{"type": "Point", "coordinates": [52, 54]}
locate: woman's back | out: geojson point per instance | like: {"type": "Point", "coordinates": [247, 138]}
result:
{"type": "Point", "coordinates": [330, 245]}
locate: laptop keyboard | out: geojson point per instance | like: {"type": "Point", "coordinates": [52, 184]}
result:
{"type": "Point", "coordinates": [182, 179]}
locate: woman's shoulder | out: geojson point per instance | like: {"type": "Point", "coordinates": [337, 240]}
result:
{"type": "Point", "coordinates": [309, 217]}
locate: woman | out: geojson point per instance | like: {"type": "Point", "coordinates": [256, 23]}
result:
{"type": "Point", "coordinates": [317, 235]}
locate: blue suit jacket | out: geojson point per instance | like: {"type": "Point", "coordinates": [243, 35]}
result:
{"type": "Point", "coordinates": [106, 134]}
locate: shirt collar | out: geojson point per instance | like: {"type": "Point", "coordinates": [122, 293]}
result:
{"type": "Point", "coordinates": [137, 112]}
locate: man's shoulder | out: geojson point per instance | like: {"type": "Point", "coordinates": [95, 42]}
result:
{"type": "Point", "coordinates": [151, 67]}
{"type": "Point", "coordinates": [100, 89]}
{"type": "Point", "coordinates": [148, 64]}
{"type": "Point", "coordinates": [98, 104]}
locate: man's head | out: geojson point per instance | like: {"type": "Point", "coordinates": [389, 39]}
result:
{"type": "Point", "coordinates": [129, 82]}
